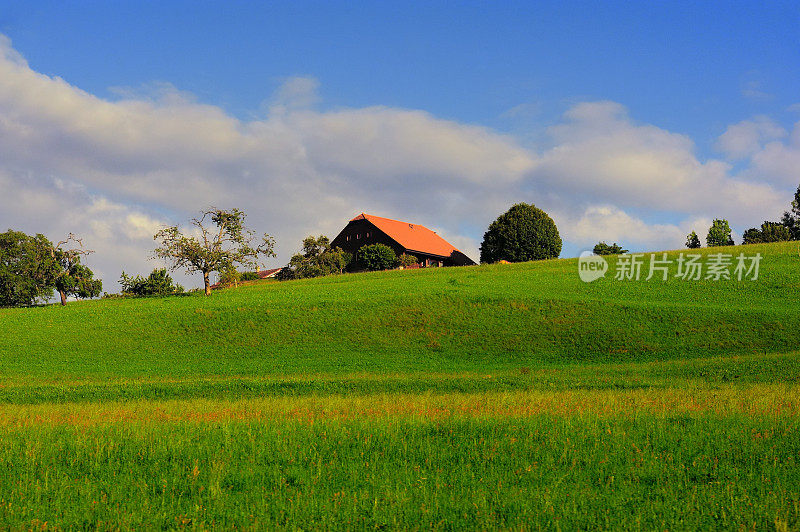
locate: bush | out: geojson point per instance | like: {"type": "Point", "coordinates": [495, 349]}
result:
{"type": "Point", "coordinates": [407, 260]}
{"type": "Point", "coordinates": [604, 249]}
{"type": "Point", "coordinates": [377, 257]}
{"type": "Point", "coordinates": [249, 276]}
{"type": "Point", "coordinates": [158, 283]}
{"type": "Point", "coordinates": [521, 234]}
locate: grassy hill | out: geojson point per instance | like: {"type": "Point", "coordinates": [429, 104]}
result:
{"type": "Point", "coordinates": [480, 397]}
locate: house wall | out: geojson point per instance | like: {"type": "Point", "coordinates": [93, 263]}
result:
{"type": "Point", "coordinates": [362, 233]}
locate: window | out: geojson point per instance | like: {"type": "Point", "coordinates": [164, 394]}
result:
{"type": "Point", "coordinates": [348, 238]}
{"type": "Point", "coordinates": [358, 236]}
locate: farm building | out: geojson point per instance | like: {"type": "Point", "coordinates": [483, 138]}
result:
{"type": "Point", "coordinates": [403, 237]}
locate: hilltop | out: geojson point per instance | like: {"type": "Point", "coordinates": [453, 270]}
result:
{"type": "Point", "coordinates": [481, 318]}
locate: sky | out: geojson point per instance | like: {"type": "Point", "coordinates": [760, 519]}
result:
{"type": "Point", "coordinates": [627, 122]}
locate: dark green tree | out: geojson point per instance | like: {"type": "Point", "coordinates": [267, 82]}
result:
{"type": "Point", "coordinates": [769, 232]}
{"type": "Point", "coordinates": [719, 234]}
{"type": "Point", "coordinates": [692, 241]}
{"type": "Point", "coordinates": [224, 242]}
{"type": "Point", "coordinates": [27, 269]}
{"type": "Point", "coordinates": [601, 248]}
{"type": "Point", "coordinates": [377, 257]}
{"type": "Point", "coordinates": [523, 233]}
{"type": "Point", "coordinates": [791, 218]}
{"type": "Point", "coordinates": [318, 258]}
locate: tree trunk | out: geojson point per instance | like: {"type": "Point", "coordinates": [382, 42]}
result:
{"type": "Point", "coordinates": [63, 297]}
{"type": "Point", "coordinates": [207, 283]}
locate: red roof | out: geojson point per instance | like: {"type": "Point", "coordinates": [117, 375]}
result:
{"type": "Point", "coordinates": [413, 237]}
{"type": "Point", "coordinates": [266, 274]}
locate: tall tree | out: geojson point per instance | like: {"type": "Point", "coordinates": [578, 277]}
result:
{"type": "Point", "coordinates": [719, 234]}
{"type": "Point", "coordinates": [27, 268]}
{"type": "Point", "coordinates": [72, 277]}
{"type": "Point", "coordinates": [224, 242]}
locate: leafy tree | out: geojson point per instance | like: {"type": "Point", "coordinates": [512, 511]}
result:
{"type": "Point", "coordinates": [521, 234]}
{"type": "Point", "coordinates": [769, 232]}
{"type": "Point", "coordinates": [719, 234]}
{"type": "Point", "coordinates": [407, 260]}
{"type": "Point", "coordinates": [752, 236]}
{"type": "Point", "coordinates": [318, 258]}
{"type": "Point", "coordinates": [377, 257]}
{"type": "Point", "coordinates": [601, 248]}
{"type": "Point", "coordinates": [74, 278]}
{"type": "Point", "coordinates": [158, 283]}
{"type": "Point", "coordinates": [791, 219]}
{"type": "Point", "coordinates": [27, 268]}
{"type": "Point", "coordinates": [224, 242]}
{"type": "Point", "coordinates": [692, 241]}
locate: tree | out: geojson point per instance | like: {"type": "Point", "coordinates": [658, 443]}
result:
{"type": "Point", "coordinates": [601, 248]}
{"type": "Point", "coordinates": [317, 258]}
{"type": "Point", "coordinates": [719, 234]}
{"type": "Point", "coordinates": [224, 242]}
{"type": "Point", "coordinates": [692, 241]}
{"type": "Point", "coordinates": [74, 278]}
{"type": "Point", "coordinates": [158, 283]}
{"type": "Point", "coordinates": [769, 232]}
{"type": "Point", "coordinates": [521, 234]}
{"type": "Point", "coordinates": [377, 257]}
{"type": "Point", "coordinates": [791, 219]}
{"type": "Point", "coordinates": [27, 269]}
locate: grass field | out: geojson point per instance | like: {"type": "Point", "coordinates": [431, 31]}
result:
{"type": "Point", "coordinates": [508, 396]}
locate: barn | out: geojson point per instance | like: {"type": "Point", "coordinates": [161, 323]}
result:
{"type": "Point", "coordinates": [430, 249]}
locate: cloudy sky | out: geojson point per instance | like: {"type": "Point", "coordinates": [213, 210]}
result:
{"type": "Point", "coordinates": [627, 123]}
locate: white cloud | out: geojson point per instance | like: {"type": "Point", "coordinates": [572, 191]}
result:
{"type": "Point", "coordinates": [611, 224]}
{"type": "Point", "coordinates": [748, 137]}
{"type": "Point", "coordinates": [600, 154]}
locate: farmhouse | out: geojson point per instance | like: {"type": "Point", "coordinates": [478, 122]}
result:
{"type": "Point", "coordinates": [413, 239]}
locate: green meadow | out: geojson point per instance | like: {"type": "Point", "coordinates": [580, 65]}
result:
{"type": "Point", "coordinates": [502, 396]}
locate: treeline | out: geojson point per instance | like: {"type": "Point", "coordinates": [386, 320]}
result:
{"type": "Point", "coordinates": [719, 234]}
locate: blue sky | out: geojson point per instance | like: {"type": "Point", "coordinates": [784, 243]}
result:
{"type": "Point", "coordinates": [494, 102]}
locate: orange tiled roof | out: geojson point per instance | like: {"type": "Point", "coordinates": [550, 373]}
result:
{"type": "Point", "coordinates": [413, 237]}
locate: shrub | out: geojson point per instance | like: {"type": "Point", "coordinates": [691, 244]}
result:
{"type": "Point", "coordinates": [407, 260]}
{"type": "Point", "coordinates": [521, 234]}
{"type": "Point", "coordinates": [377, 257]}
{"type": "Point", "coordinates": [601, 248]}
{"type": "Point", "coordinates": [249, 276]}
{"type": "Point", "coordinates": [158, 283]}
